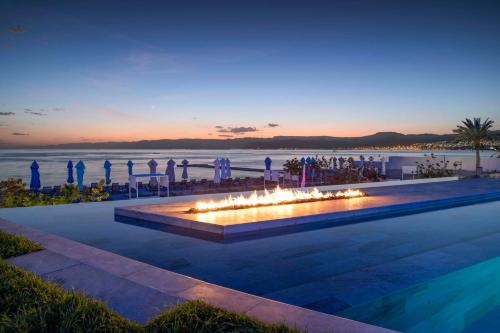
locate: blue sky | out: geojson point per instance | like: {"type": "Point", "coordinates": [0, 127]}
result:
{"type": "Point", "coordinates": [104, 70]}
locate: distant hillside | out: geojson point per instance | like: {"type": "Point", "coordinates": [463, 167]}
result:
{"type": "Point", "coordinates": [277, 142]}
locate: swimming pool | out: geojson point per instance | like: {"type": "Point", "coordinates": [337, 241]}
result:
{"type": "Point", "coordinates": [451, 303]}
{"type": "Point", "coordinates": [328, 270]}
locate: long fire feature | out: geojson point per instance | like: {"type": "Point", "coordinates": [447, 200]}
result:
{"type": "Point", "coordinates": [277, 197]}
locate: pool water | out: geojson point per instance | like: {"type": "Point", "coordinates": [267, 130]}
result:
{"type": "Point", "coordinates": [451, 303]}
{"type": "Point", "coordinates": [329, 270]}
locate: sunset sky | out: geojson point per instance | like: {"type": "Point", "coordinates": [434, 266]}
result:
{"type": "Point", "coordinates": [132, 70]}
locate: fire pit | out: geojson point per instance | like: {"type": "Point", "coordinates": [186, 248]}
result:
{"type": "Point", "coordinates": [235, 216]}
{"type": "Point", "coordinates": [277, 197]}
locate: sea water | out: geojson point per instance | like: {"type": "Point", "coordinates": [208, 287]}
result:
{"type": "Point", "coordinates": [16, 163]}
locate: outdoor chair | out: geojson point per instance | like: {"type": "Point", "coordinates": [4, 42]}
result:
{"type": "Point", "coordinates": [133, 184]}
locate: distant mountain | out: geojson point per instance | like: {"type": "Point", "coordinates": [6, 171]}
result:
{"type": "Point", "coordinates": [277, 142]}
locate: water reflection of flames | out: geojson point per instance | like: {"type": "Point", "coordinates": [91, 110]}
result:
{"type": "Point", "coordinates": [277, 197]}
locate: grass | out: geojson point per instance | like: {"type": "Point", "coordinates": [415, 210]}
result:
{"type": "Point", "coordinates": [12, 245]}
{"type": "Point", "coordinates": [30, 304]}
{"type": "Point", "coordinates": [196, 316]}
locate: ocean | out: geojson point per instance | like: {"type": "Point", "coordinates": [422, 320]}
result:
{"type": "Point", "coordinates": [16, 163]}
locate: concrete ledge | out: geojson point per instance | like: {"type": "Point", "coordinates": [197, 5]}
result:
{"type": "Point", "coordinates": [140, 291]}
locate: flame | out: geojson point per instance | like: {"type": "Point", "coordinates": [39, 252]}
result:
{"type": "Point", "coordinates": [277, 197]}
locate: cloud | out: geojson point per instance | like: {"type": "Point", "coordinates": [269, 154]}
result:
{"type": "Point", "coordinates": [40, 114]}
{"type": "Point", "coordinates": [19, 134]}
{"type": "Point", "coordinates": [272, 125]}
{"type": "Point", "coordinates": [236, 130]}
{"type": "Point", "coordinates": [7, 113]}
{"type": "Point", "coordinates": [242, 130]}
{"type": "Point", "coordinates": [18, 29]}
{"type": "Point", "coordinates": [226, 136]}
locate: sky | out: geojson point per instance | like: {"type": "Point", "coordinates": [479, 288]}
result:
{"type": "Point", "coordinates": [91, 71]}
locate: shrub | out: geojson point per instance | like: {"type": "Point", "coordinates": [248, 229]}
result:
{"type": "Point", "coordinates": [199, 317]}
{"type": "Point", "coordinates": [433, 168]}
{"type": "Point", "coordinates": [293, 166]}
{"type": "Point", "coordinates": [13, 193]}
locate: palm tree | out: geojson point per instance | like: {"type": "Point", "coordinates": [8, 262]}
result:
{"type": "Point", "coordinates": [475, 133]}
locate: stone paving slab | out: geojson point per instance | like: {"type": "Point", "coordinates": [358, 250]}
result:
{"type": "Point", "coordinates": [140, 291]}
{"type": "Point", "coordinates": [43, 262]}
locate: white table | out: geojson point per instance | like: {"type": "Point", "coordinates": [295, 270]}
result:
{"type": "Point", "coordinates": [161, 181]}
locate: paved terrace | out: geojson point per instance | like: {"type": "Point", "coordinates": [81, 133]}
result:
{"type": "Point", "coordinates": [327, 270]}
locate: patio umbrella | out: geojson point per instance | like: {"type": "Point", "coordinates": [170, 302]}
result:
{"type": "Point", "coordinates": [70, 179]}
{"type": "Point", "coordinates": [35, 177]}
{"type": "Point", "coordinates": [80, 170]}
{"type": "Point", "coordinates": [152, 169]}
{"type": "Point", "coordinates": [308, 170]}
{"type": "Point", "coordinates": [216, 171]}
{"type": "Point", "coordinates": [185, 169]}
{"type": "Point", "coordinates": [382, 161]}
{"type": "Point", "coordinates": [313, 171]}
{"type": "Point", "coordinates": [171, 170]}
{"type": "Point", "coordinates": [130, 165]}
{"type": "Point", "coordinates": [107, 168]}
{"type": "Point", "coordinates": [223, 168]}
{"type": "Point", "coordinates": [303, 180]}
{"type": "Point", "coordinates": [228, 168]}
{"type": "Point", "coordinates": [268, 162]}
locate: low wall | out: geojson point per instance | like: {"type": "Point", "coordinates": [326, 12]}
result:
{"type": "Point", "coordinates": [489, 164]}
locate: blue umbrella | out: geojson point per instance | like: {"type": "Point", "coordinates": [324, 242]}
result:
{"type": "Point", "coordinates": [268, 162]}
{"type": "Point", "coordinates": [70, 179]}
{"type": "Point", "coordinates": [313, 172]}
{"type": "Point", "coordinates": [223, 168]}
{"type": "Point", "coordinates": [308, 170]}
{"type": "Point", "coordinates": [228, 168]}
{"type": "Point", "coordinates": [171, 170]}
{"type": "Point", "coordinates": [80, 170]}
{"type": "Point", "coordinates": [107, 167]}
{"type": "Point", "coordinates": [302, 161]}
{"type": "Point", "coordinates": [185, 169]}
{"type": "Point", "coordinates": [35, 176]}
{"type": "Point", "coordinates": [130, 165]}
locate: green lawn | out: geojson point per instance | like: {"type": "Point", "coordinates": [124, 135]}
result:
{"type": "Point", "coordinates": [12, 245]}
{"type": "Point", "coordinates": [30, 304]}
